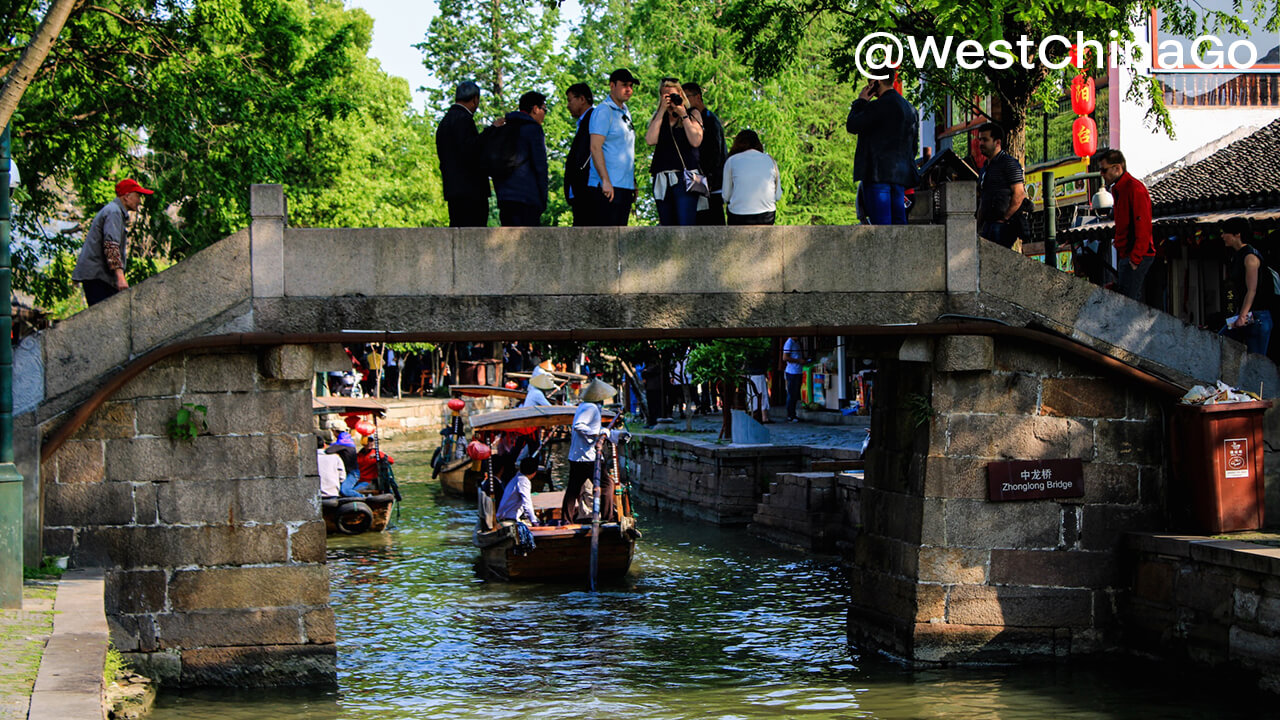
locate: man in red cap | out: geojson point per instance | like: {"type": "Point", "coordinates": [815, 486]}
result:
{"type": "Point", "coordinates": [100, 267]}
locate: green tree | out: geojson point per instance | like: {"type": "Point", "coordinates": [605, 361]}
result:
{"type": "Point", "coordinates": [506, 46]}
{"type": "Point", "coordinates": [200, 100]}
{"type": "Point", "coordinates": [771, 32]}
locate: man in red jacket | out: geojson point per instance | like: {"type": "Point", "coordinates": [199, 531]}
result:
{"type": "Point", "coordinates": [1135, 253]}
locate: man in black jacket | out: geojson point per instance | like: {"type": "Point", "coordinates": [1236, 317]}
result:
{"type": "Point", "coordinates": [888, 131]}
{"type": "Point", "coordinates": [711, 156]}
{"type": "Point", "coordinates": [466, 188]}
{"type": "Point", "coordinates": [580, 102]}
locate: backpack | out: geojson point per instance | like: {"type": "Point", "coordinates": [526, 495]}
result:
{"type": "Point", "coordinates": [500, 150]}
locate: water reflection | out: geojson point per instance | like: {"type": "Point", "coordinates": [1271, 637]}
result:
{"type": "Point", "coordinates": [709, 624]}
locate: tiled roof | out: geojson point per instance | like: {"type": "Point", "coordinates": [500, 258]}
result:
{"type": "Point", "coordinates": [1244, 174]}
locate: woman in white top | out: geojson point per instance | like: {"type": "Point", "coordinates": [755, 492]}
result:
{"type": "Point", "coordinates": [752, 187]}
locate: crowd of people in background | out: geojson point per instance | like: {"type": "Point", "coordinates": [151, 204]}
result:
{"type": "Point", "coordinates": [694, 176]}
{"type": "Point", "coordinates": [697, 180]}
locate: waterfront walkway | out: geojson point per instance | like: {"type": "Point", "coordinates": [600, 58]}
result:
{"type": "Point", "coordinates": [809, 434]}
{"type": "Point", "coordinates": [23, 634]}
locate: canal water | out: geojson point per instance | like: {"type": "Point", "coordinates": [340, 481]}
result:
{"type": "Point", "coordinates": [710, 623]}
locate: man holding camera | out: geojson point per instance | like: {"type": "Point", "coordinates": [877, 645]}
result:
{"type": "Point", "coordinates": [888, 133]}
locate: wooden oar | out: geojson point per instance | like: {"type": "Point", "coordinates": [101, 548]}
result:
{"type": "Point", "coordinates": [595, 505]}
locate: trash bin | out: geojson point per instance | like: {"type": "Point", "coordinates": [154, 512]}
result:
{"type": "Point", "coordinates": [1217, 464]}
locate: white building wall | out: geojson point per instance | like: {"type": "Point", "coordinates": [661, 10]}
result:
{"type": "Point", "coordinates": [1147, 150]}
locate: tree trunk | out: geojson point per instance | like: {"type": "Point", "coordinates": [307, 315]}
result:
{"type": "Point", "coordinates": [33, 56]}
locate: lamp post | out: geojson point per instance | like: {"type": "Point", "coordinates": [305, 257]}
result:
{"type": "Point", "coordinates": [10, 480]}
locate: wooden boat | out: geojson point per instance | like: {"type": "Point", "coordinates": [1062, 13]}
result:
{"type": "Point", "coordinates": [562, 551]}
{"type": "Point", "coordinates": [353, 516]}
{"type": "Point", "coordinates": [542, 416]}
{"type": "Point", "coordinates": [370, 512]}
{"type": "Point", "coordinates": [486, 391]}
{"type": "Point", "coordinates": [458, 479]}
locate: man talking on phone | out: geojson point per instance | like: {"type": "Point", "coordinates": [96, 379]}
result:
{"type": "Point", "coordinates": [888, 133]}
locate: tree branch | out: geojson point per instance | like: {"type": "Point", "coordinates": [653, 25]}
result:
{"type": "Point", "coordinates": [19, 77]}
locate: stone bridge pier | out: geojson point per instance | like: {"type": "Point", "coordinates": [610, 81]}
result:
{"type": "Point", "coordinates": [214, 550]}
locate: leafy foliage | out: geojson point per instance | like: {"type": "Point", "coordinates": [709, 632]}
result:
{"type": "Point", "coordinates": [771, 34]}
{"type": "Point", "coordinates": [187, 424]}
{"type": "Point", "coordinates": [199, 99]}
{"type": "Point", "coordinates": [724, 360]}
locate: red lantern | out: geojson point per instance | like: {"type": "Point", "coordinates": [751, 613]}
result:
{"type": "Point", "coordinates": [1083, 95]}
{"type": "Point", "coordinates": [366, 428]}
{"type": "Point", "coordinates": [351, 420]}
{"type": "Point", "coordinates": [477, 450]}
{"type": "Point", "coordinates": [456, 405]}
{"type": "Point", "coordinates": [1084, 137]}
{"type": "Point", "coordinates": [511, 385]}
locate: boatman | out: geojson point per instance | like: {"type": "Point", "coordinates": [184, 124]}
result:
{"type": "Point", "coordinates": [535, 396]}
{"type": "Point", "coordinates": [586, 430]}
{"type": "Point", "coordinates": [517, 500]}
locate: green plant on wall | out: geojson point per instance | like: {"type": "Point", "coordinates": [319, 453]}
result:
{"type": "Point", "coordinates": [188, 422]}
{"type": "Point", "coordinates": [919, 409]}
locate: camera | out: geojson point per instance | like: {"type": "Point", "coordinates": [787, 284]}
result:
{"type": "Point", "coordinates": [675, 99]}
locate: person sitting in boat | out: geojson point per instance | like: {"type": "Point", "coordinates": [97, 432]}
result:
{"type": "Point", "coordinates": [345, 448]}
{"type": "Point", "coordinates": [584, 433]}
{"type": "Point", "coordinates": [331, 468]}
{"type": "Point", "coordinates": [517, 499]}
{"type": "Point", "coordinates": [537, 385]}
{"type": "Point", "coordinates": [368, 458]}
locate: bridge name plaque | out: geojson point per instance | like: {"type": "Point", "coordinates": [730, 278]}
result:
{"type": "Point", "coordinates": [1034, 480]}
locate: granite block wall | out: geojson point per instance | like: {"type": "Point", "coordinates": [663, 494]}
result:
{"type": "Point", "coordinates": [214, 549]}
{"type": "Point", "coordinates": [942, 574]}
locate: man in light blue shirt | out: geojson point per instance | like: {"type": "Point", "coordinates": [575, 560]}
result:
{"type": "Point", "coordinates": [611, 181]}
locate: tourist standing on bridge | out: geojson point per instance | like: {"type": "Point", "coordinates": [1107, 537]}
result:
{"type": "Point", "coordinates": [522, 195]}
{"type": "Point", "coordinates": [1250, 289]}
{"type": "Point", "coordinates": [712, 155]}
{"type": "Point", "coordinates": [752, 186]}
{"type": "Point", "coordinates": [466, 188]}
{"type": "Point", "coordinates": [1001, 189]}
{"type": "Point", "coordinates": [105, 254]}
{"type": "Point", "coordinates": [611, 180]}
{"type": "Point", "coordinates": [675, 131]}
{"type": "Point", "coordinates": [884, 164]}
{"type": "Point", "coordinates": [1135, 253]}
{"type": "Point", "coordinates": [580, 101]}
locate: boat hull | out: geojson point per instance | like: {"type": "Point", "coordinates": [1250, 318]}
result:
{"type": "Point", "coordinates": [562, 552]}
{"type": "Point", "coordinates": [354, 516]}
{"type": "Point", "coordinates": [457, 479]}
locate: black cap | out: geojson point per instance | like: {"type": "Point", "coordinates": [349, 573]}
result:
{"type": "Point", "coordinates": [623, 75]}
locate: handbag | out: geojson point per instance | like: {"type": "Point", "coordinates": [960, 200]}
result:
{"type": "Point", "coordinates": [695, 183]}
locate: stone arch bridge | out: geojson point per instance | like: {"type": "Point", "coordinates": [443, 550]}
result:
{"type": "Point", "coordinates": [214, 550]}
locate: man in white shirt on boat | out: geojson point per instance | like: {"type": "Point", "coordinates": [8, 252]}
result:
{"type": "Point", "coordinates": [585, 431]}
{"type": "Point", "coordinates": [534, 396]}
{"type": "Point", "coordinates": [517, 500]}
